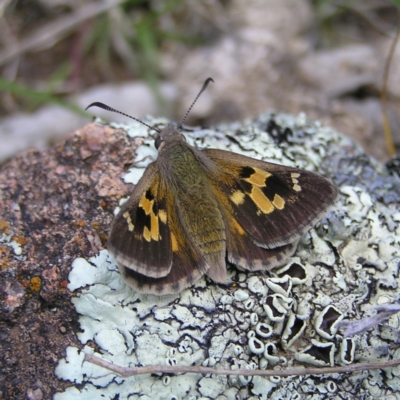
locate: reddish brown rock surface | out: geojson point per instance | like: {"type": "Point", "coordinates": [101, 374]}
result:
{"type": "Point", "coordinates": [57, 205]}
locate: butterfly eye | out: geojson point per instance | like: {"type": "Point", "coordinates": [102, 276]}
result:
{"type": "Point", "coordinates": [158, 141]}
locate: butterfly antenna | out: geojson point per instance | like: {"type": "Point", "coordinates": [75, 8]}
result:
{"type": "Point", "coordinates": [208, 80]}
{"type": "Point", "coordinates": [108, 108]}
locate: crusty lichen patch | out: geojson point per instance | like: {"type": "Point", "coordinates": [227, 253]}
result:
{"type": "Point", "coordinates": [8, 239]}
{"type": "Point", "coordinates": [342, 268]}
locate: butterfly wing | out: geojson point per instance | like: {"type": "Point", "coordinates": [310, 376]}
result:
{"type": "Point", "coordinates": [244, 252]}
{"type": "Point", "coordinates": [188, 265]}
{"type": "Point", "coordinates": [140, 238]}
{"type": "Point", "coordinates": [270, 204]}
{"type": "Point", "coordinates": [149, 243]}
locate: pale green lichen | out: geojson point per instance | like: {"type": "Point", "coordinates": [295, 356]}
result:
{"type": "Point", "coordinates": [350, 260]}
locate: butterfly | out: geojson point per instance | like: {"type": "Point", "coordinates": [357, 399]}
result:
{"type": "Point", "coordinates": [194, 210]}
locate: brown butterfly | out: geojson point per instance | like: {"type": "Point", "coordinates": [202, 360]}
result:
{"type": "Point", "coordinates": [193, 210]}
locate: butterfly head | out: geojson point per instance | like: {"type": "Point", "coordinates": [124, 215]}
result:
{"type": "Point", "coordinates": [168, 134]}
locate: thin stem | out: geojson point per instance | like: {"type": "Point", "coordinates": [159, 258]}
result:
{"type": "Point", "coordinates": [386, 125]}
{"type": "Point", "coordinates": [168, 369]}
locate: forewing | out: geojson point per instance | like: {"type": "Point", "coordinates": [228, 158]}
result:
{"type": "Point", "coordinates": [241, 248]}
{"type": "Point", "coordinates": [274, 204]}
{"type": "Point", "coordinates": [140, 238]}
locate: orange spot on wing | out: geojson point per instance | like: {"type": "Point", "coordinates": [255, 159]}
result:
{"type": "Point", "coordinates": [162, 214]}
{"type": "Point", "coordinates": [155, 233]}
{"type": "Point", "coordinates": [258, 178]}
{"type": "Point", "coordinates": [238, 227]}
{"type": "Point", "coordinates": [147, 234]}
{"type": "Point", "coordinates": [238, 197]}
{"type": "Point", "coordinates": [174, 243]}
{"type": "Point", "coordinates": [146, 204]}
{"type": "Point", "coordinates": [261, 201]}
{"type": "Point", "coordinates": [278, 202]}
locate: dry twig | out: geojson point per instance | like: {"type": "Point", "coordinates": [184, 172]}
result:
{"type": "Point", "coordinates": [168, 369]}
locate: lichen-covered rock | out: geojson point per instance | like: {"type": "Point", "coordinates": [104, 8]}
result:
{"type": "Point", "coordinates": [345, 265]}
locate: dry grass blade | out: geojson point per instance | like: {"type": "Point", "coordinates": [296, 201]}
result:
{"type": "Point", "coordinates": [386, 125]}
{"type": "Point", "coordinates": [53, 31]}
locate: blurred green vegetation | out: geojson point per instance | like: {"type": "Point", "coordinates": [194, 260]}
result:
{"type": "Point", "coordinates": [338, 20]}
{"type": "Point", "coordinates": [123, 43]}
{"type": "Point", "coordinates": [36, 98]}
{"type": "Point", "coordinates": [128, 41]}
